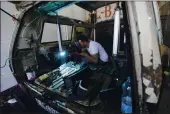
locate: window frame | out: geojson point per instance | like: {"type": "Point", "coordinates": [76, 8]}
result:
{"type": "Point", "coordinates": [42, 30]}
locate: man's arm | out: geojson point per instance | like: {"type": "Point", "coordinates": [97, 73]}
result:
{"type": "Point", "coordinates": [91, 58]}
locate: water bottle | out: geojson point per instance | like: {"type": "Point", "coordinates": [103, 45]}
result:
{"type": "Point", "coordinates": [126, 105]}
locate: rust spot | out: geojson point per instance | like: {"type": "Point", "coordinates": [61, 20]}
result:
{"type": "Point", "coordinates": [151, 60]}
{"type": "Point", "coordinates": [154, 75]}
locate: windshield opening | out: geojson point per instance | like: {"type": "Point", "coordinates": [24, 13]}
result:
{"type": "Point", "coordinates": [49, 33]}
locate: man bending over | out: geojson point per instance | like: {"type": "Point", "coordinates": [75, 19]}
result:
{"type": "Point", "coordinates": [97, 53]}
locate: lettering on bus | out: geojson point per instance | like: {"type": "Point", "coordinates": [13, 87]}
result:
{"type": "Point", "coordinates": [105, 12]}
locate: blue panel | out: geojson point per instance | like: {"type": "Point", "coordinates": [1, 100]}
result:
{"type": "Point", "coordinates": [53, 7]}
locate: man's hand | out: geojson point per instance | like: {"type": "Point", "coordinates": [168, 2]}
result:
{"type": "Point", "coordinates": [90, 58]}
{"type": "Point", "coordinates": [84, 54]}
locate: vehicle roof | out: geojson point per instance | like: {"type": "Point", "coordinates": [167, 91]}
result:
{"type": "Point", "coordinates": [86, 5]}
{"type": "Point", "coordinates": [93, 5]}
{"type": "Point", "coordinates": [51, 8]}
{"type": "Point", "coordinates": [67, 21]}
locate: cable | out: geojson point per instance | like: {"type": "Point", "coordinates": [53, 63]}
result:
{"type": "Point", "coordinates": [40, 28]}
{"type": "Point", "coordinates": [10, 15]}
{"type": "Point", "coordinates": [40, 23]}
{"type": "Point", "coordinates": [30, 24]}
{"type": "Point", "coordinates": [6, 61]}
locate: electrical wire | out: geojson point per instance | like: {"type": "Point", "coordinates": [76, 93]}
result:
{"type": "Point", "coordinates": [30, 23]}
{"type": "Point", "coordinates": [40, 28]}
{"type": "Point", "coordinates": [40, 23]}
{"type": "Point", "coordinates": [7, 61]}
{"type": "Point", "coordinates": [11, 59]}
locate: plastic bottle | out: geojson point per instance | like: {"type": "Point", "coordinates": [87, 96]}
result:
{"type": "Point", "coordinates": [126, 105]}
{"type": "Point", "coordinates": [30, 74]}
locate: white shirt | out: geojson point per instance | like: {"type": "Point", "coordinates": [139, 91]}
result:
{"type": "Point", "coordinates": [96, 48]}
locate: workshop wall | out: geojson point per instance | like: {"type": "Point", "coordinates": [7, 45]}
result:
{"type": "Point", "coordinates": [7, 80]}
{"type": "Point", "coordinates": [74, 12]}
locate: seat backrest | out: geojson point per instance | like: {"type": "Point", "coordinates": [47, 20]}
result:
{"type": "Point", "coordinates": [106, 40]}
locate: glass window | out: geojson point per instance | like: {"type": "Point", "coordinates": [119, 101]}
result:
{"type": "Point", "coordinates": [50, 33]}
{"type": "Point", "coordinates": [66, 32]}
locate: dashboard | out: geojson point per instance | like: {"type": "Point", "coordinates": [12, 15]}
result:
{"type": "Point", "coordinates": [62, 79]}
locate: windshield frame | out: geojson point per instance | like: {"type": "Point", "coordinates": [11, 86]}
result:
{"type": "Point", "coordinates": [42, 30]}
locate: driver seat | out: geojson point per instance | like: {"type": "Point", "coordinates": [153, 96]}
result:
{"type": "Point", "coordinates": [106, 40]}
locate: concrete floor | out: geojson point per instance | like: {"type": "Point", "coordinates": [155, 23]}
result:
{"type": "Point", "coordinates": [18, 109]}
{"type": "Point", "coordinates": [164, 106]}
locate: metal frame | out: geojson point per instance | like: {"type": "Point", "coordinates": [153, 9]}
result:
{"type": "Point", "coordinates": [146, 51]}
{"type": "Point", "coordinates": [116, 31]}
{"type": "Point", "coordinates": [59, 38]}
{"type": "Point", "coordinates": [136, 49]}
{"type": "Point", "coordinates": [158, 22]}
